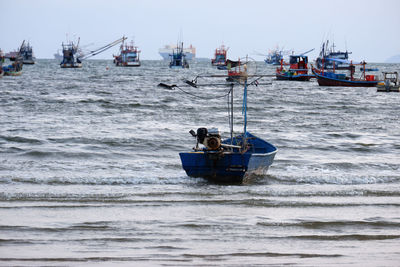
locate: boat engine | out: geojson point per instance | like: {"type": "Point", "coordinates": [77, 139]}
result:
{"type": "Point", "coordinates": [211, 138]}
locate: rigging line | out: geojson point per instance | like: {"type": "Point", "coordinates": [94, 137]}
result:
{"type": "Point", "coordinates": [201, 97]}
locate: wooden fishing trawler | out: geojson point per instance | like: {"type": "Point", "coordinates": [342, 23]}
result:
{"type": "Point", "coordinates": [14, 66]}
{"type": "Point", "coordinates": [328, 52]}
{"type": "Point", "coordinates": [331, 78]}
{"type": "Point", "coordinates": [26, 53]}
{"type": "Point", "coordinates": [128, 56]}
{"type": "Point", "coordinates": [237, 71]}
{"type": "Point", "coordinates": [298, 70]}
{"type": "Point", "coordinates": [220, 58]}
{"type": "Point", "coordinates": [390, 82]}
{"type": "Point", "coordinates": [231, 160]}
{"type": "Point", "coordinates": [70, 56]}
{"type": "Point", "coordinates": [274, 57]}
{"type": "Point", "coordinates": [178, 58]}
{"type": "Point", "coordinates": [13, 69]}
{"type": "Point", "coordinates": [73, 59]}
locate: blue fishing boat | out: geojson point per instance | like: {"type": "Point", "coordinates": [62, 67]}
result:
{"type": "Point", "coordinates": [329, 52]}
{"type": "Point", "coordinates": [231, 160]}
{"type": "Point", "coordinates": [274, 57]}
{"type": "Point", "coordinates": [178, 58]}
{"type": "Point", "coordinates": [331, 78]}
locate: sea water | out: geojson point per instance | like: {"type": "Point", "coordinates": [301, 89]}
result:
{"type": "Point", "coordinates": [90, 172]}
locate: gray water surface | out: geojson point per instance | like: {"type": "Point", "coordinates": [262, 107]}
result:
{"type": "Point", "coordinates": [90, 172]}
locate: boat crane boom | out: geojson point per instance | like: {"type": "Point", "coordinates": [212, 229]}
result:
{"type": "Point", "coordinates": [103, 48]}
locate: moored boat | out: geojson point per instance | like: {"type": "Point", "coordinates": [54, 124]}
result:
{"type": "Point", "coordinates": [178, 58]}
{"type": "Point", "coordinates": [70, 57]}
{"type": "Point", "coordinates": [331, 78]}
{"type": "Point", "coordinates": [128, 56]}
{"type": "Point", "coordinates": [274, 57]}
{"type": "Point", "coordinates": [298, 70]}
{"type": "Point", "coordinates": [165, 52]}
{"type": "Point", "coordinates": [232, 160]}
{"type": "Point", "coordinates": [26, 53]}
{"type": "Point", "coordinates": [340, 58]}
{"type": "Point", "coordinates": [390, 82]}
{"type": "Point", "coordinates": [235, 71]}
{"type": "Point", "coordinates": [220, 58]}
{"type": "Point", "coordinates": [14, 69]}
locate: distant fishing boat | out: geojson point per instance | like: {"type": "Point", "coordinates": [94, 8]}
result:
{"type": "Point", "coordinates": [274, 57]}
{"type": "Point", "coordinates": [26, 53]}
{"type": "Point", "coordinates": [331, 78]}
{"type": "Point", "coordinates": [165, 52]}
{"type": "Point", "coordinates": [298, 70]}
{"type": "Point", "coordinates": [390, 82]}
{"type": "Point", "coordinates": [72, 56]}
{"type": "Point", "coordinates": [237, 71]}
{"type": "Point", "coordinates": [178, 58]}
{"type": "Point", "coordinates": [231, 160]}
{"type": "Point", "coordinates": [128, 56]}
{"type": "Point", "coordinates": [220, 58]}
{"type": "Point", "coordinates": [329, 52]}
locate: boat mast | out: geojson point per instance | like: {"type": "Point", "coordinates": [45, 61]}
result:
{"type": "Point", "coordinates": [231, 115]}
{"type": "Point", "coordinates": [244, 108]}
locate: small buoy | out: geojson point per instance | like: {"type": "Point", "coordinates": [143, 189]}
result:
{"type": "Point", "coordinates": [106, 68]}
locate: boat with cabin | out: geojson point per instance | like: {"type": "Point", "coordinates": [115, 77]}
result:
{"type": "Point", "coordinates": [390, 82]}
{"type": "Point", "coordinates": [165, 52]}
{"type": "Point", "coordinates": [26, 53]}
{"type": "Point", "coordinates": [13, 69]}
{"type": "Point", "coordinates": [128, 56]}
{"type": "Point", "coordinates": [220, 58]}
{"type": "Point", "coordinates": [298, 70]}
{"type": "Point", "coordinates": [231, 160]}
{"type": "Point", "coordinates": [331, 78]}
{"type": "Point", "coordinates": [327, 53]}
{"type": "Point", "coordinates": [14, 65]}
{"type": "Point", "coordinates": [73, 56]}
{"type": "Point", "coordinates": [70, 55]}
{"type": "Point", "coordinates": [274, 57]}
{"type": "Point", "coordinates": [178, 58]}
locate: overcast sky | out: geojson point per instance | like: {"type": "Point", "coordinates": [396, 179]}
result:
{"type": "Point", "coordinates": [370, 29]}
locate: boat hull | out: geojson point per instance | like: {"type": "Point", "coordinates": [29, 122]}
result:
{"type": "Point", "coordinates": [300, 77]}
{"type": "Point", "coordinates": [135, 64]}
{"type": "Point", "coordinates": [12, 73]}
{"type": "Point", "coordinates": [71, 66]}
{"type": "Point", "coordinates": [392, 88]}
{"type": "Point", "coordinates": [328, 81]}
{"type": "Point", "coordinates": [230, 167]}
{"type": "Point", "coordinates": [28, 62]}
